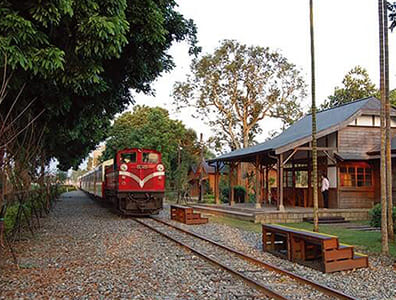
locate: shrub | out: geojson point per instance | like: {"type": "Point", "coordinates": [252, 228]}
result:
{"type": "Point", "coordinates": [375, 216]}
{"type": "Point", "coordinates": [239, 193]}
{"type": "Point", "coordinates": [224, 194]}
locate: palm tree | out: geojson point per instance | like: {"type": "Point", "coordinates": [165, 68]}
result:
{"type": "Point", "coordinates": [383, 173]}
{"type": "Point", "coordinates": [388, 127]}
{"type": "Point", "coordinates": [313, 113]}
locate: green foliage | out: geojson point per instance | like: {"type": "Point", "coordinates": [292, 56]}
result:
{"type": "Point", "coordinates": [239, 193]}
{"type": "Point", "coordinates": [375, 216]}
{"type": "Point", "coordinates": [209, 199]}
{"type": "Point", "coordinates": [152, 128]}
{"type": "Point", "coordinates": [224, 189]}
{"type": "Point", "coordinates": [79, 60]}
{"type": "Point", "coordinates": [356, 85]}
{"type": "Point", "coordinates": [238, 86]}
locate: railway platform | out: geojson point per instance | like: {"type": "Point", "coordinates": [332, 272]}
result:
{"type": "Point", "coordinates": [270, 214]}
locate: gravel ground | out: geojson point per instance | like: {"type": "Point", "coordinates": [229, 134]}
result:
{"type": "Point", "coordinates": [376, 282]}
{"type": "Point", "coordinates": [280, 284]}
{"type": "Point", "coordinates": [84, 251]}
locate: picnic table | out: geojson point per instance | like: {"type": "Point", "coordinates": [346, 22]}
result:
{"type": "Point", "coordinates": [303, 245]}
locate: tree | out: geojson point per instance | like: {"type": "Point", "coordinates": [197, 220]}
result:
{"type": "Point", "coordinates": [238, 86]}
{"type": "Point", "coordinates": [383, 173]}
{"type": "Point", "coordinates": [151, 128]}
{"type": "Point", "coordinates": [356, 85]}
{"type": "Point", "coordinates": [313, 112]}
{"type": "Point", "coordinates": [79, 59]}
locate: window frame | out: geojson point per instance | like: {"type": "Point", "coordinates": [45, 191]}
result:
{"type": "Point", "coordinates": [367, 173]}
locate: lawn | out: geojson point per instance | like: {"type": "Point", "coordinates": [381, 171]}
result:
{"type": "Point", "coordinates": [369, 242]}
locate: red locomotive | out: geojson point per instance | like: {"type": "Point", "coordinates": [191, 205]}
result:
{"type": "Point", "coordinates": [134, 181]}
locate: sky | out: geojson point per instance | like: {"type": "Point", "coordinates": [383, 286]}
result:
{"type": "Point", "coordinates": [346, 35]}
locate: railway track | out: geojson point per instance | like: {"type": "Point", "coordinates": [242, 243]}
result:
{"type": "Point", "coordinates": [272, 281]}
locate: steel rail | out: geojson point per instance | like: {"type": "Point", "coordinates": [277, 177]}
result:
{"type": "Point", "coordinates": [320, 287]}
{"type": "Point", "coordinates": [251, 282]}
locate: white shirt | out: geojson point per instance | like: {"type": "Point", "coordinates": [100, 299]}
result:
{"type": "Point", "coordinates": [325, 184]}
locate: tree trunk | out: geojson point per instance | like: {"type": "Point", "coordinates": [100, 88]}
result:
{"type": "Point", "coordinates": [388, 127]}
{"type": "Point", "coordinates": [201, 191]}
{"type": "Point", "coordinates": [313, 112]}
{"type": "Point", "coordinates": [384, 231]}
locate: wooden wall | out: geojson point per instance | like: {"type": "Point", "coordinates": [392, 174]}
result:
{"type": "Point", "coordinates": [353, 198]}
{"type": "Point", "coordinates": [358, 139]}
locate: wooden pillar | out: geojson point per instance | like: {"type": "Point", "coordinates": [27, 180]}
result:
{"type": "Point", "coordinates": [280, 187]}
{"type": "Point", "coordinates": [216, 184]}
{"type": "Point", "coordinates": [258, 186]}
{"type": "Point", "coordinates": [310, 194]}
{"type": "Point", "coordinates": [231, 184]}
{"type": "Point", "coordinates": [267, 187]}
{"type": "Point", "coordinates": [262, 184]}
{"type": "Point", "coordinates": [294, 182]}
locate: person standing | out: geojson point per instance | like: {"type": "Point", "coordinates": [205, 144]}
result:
{"type": "Point", "coordinates": [325, 191]}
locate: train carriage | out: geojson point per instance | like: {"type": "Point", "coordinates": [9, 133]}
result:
{"type": "Point", "coordinates": [134, 181]}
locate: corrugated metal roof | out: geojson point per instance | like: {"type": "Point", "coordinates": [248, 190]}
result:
{"type": "Point", "coordinates": [303, 128]}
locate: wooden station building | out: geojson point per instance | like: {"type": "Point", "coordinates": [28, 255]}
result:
{"type": "Point", "coordinates": [348, 139]}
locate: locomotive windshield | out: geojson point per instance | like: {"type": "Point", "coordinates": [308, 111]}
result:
{"type": "Point", "coordinates": [128, 157]}
{"type": "Point", "coordinates": [150, 157]}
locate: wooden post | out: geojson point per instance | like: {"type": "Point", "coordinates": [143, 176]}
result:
{"type": "Point", "coordinates": [310, 195]}
{"type": "Point", "coordinates": [216, 183]}
{"type": "Point", "coordinates": [201, 192]}
{"type": "Point", "coordinates": [258, 203]}
{"type": "Point", "coordinates": [178, 169]}
{"type": "Point", "coordinates": [267, 187]}
{"type": "Point", "coordinates": [294, 182]}
{"type": "Point", "coordinates": [231, 185]}
{"type": "Point", "coordinates": [280, 188]}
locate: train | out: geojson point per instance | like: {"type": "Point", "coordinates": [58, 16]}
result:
{"type": "Point", "coordinates": [133, 182]}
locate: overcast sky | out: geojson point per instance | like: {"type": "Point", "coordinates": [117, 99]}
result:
{"type": "Point", "coordinates": [346, 35]}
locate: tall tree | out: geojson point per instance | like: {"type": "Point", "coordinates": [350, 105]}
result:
{"type": "Point", "coordinates": [238, 86]}
{"type": "Point", "coordinates": [80, 58]}
{"type": "Point", "coordinates": [388, 127]}
{"type": "Point", "coordinates": [384, 229]}
{"type": "Point", "coordinates": [313, 112]}
{"type": "Point", "coordinates": [388, 6]}
{"type": "Point", "coordinates": [355, 85]}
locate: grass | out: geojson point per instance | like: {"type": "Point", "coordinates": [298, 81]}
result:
{"type": "Point", "coordinates": [244, 225]}
{"type": "Point", "coordinates": [369, 242]}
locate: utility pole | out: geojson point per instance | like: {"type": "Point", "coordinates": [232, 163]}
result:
{"type": "Point", "coordinates": [200, 199]}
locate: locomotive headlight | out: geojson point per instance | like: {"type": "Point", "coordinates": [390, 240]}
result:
{"type": "Point", "coordinates": [124, 167]}
{"type": "Point", "coordinates": [160, 168]}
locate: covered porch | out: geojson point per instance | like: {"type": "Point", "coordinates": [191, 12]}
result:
{"type": "Point", "coordinates": [292, 168]}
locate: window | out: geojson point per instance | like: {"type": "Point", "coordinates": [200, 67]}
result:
{"type": "Point", "coordinates": [356, 176]}
{"type": "Point", "coordinates": [287, 178]}
{"type": "Point", "coordinates": [150, 157]}
{"type": "Point", "coordinates": [128, 157]}
{"type": "Point", "coordinates": [302, 179]}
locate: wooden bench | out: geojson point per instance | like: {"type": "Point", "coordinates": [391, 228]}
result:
{"type": "Point", "coordinates": [186, 215]}
{"type": "Point", "coordinates": [302, 245]}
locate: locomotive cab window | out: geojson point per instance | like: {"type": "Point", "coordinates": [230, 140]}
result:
{"type": "Point", "coordinates": [128, 157]}
{"type": "Point", "coordinates": [150, 157]}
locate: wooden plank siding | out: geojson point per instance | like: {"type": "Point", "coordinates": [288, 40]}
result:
{"type": "Point", "coordinates": [358, 139]}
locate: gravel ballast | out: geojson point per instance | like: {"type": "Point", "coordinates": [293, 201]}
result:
{"type": "Point", "coordinates": [376, 282]}
{"type": "Point", "coordinates": [85, 251]}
